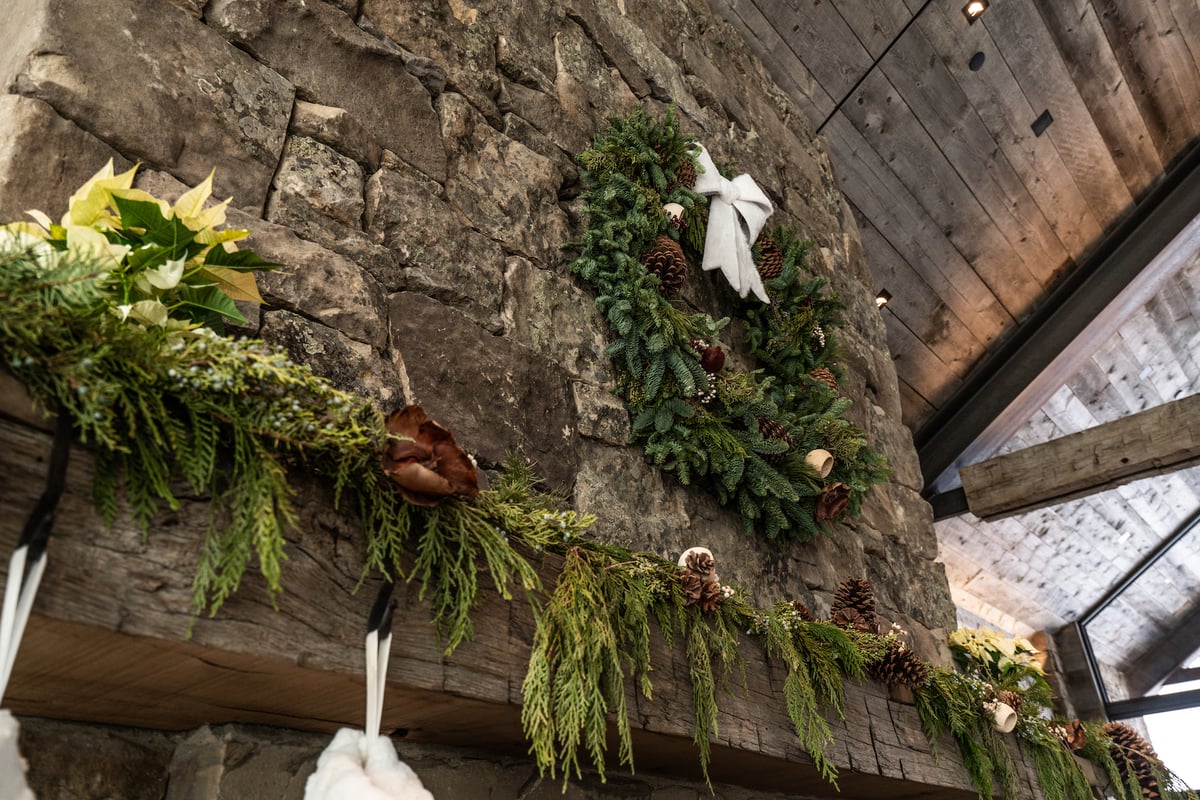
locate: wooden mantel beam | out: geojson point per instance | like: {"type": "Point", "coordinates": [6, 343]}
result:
{"type": "Point", "coordinates": [108, 643]}
{"type": "Point", "coordinates": [1161, 439]}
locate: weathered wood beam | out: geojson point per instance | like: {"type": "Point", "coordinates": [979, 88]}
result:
{"type": "Point", "coordinates": [109, 643]}
{"type": "Point", "coordinates": [1159, 237]}
{"type": "Point", "coordinates": [1158, 440]}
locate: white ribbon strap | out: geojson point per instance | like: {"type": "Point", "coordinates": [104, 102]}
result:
{"type": "Point", "coordinates": [737, 211]}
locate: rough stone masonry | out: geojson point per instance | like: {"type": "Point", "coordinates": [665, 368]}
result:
{"type": "Point", "coordinates": [411, 163]}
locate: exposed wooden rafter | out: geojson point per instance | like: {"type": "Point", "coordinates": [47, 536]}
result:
{"type": "Point", "coordinates": [1158, 440]}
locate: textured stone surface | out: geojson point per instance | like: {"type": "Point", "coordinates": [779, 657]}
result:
{"type": "Point", "coordinates": [70, 761]}
{"type": "Point", "coordinates": [456, 38]}
{"type": "Point", "coordinates": [496, 395]}
{"type": "Point", "coordinates": [232, 111]}
{"type": "Point", "coordinates": [436, 251]}
{"type": "Point", "coordinates": [507, 191]}
{"type": "Point", "coordinates": [65, 155]}
{"type": "Point", "coordinates": [553, 316]}
{"type": "Point", "coordinates": [332, 61]}
{"type": "Point", "coordinates": [339, 129]}
{"type": "Point", "coordinates": [315, 184]}
{"type": "Point", "coordinates": [351, 366]}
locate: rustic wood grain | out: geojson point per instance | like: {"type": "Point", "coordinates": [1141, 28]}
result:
{"type": "Point", "coordinates": [998, 100]}
{"type": "Point", "coordinates": [1157, 63]}
{"type": "Point", "coordinates": [1080, 38]}
{"type": "Point", "coordinates": [821, 40]}
{"type": "Point", "coordinates": [108, 643]}
{"type": "Point", "coordinates": [875, 22]}
{"type": "Point", "coordinates": [1152, 442]}
{"type": "Point", "coordinates": [1029, 51]}
{"type": "Point", "coordinates": [888, 125]}
{"type": "Point", "coordinates": [934, 96]}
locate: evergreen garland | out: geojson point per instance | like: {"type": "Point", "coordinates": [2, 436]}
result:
{"type": "Point", "coordinates": [710, 427]}
{"type": "Point", "coordinates": [159, 395]}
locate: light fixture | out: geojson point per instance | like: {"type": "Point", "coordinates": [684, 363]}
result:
{"type": "Point", "coordinates": [882, 298]}
{"type": "Point", "coordinates": [974, 9]}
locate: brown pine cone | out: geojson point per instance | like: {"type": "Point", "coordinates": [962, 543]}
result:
{"type": "Point", "coordinates": [803, 612]}
{"type": "Point", "coordinates": [833, 501]}
{"type": "Point", "coordinates": [701, 564]}
{"type": "Point", "coordinates": [1014, 700]}
{"type": "Point", "coordinates": [685, 175]}
{"type": "Point", "coordinates": [693, 587]}
{"type": "Point", "coordinates": [855, 594]}
{"type": "Point", "coordinates": [666, 260]}
{"type": "Point", "coordinates": [770, 263]}
{"type": "Point", "coordinates": [710, 597]}
{"type": "Point", "coordinates": [825, 376]}
{"type": "Point", "coordinates": [900, 667]}
{"type": "Point", "coordinates": [852, 619]}
{"type": "Point", "coordinates": [772, 430]}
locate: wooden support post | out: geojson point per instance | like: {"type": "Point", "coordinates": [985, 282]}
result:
{"type": "Point", "coordinates": [1159, 440]}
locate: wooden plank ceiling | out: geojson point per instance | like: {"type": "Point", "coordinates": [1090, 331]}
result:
{"type": "Point", "coordinates": [969, 217]}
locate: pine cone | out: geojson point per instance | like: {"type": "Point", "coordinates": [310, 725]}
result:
{"type": "Point", "coordinates": [770, 263]}
{"type": "Point", "coordinates": [852, 619]}
{"type": "Point", "coordinates": [710, 596]}
{"type": "Point", "coordinates": [1014, 700]}
{"type": "Point", "coordinates": [772, 430]}
{"type": "Point", "coordinates": [825, 376]}
{"type": "Point", "coordinates": [693, 587]}
{"type": "Point", "coordinates": [666, 260]}
{"type": "Point", "coordinates": [833, 501]}
{"type": "Point", "coordinates": [900, 667]}
{"type": "Point", "coordinates": [855, 594]}
{"type": "Point", "coordinates": [1134, 756]}
{"type": "Point", "coordinates": [701, 564]}
{"type": "Point", "coordinates": [1073, 734]}
{"type": "Point", "coordinates": [1127, 740]}
{"type": "Point", "coordinates": [685, 175]}
{"type": "Point", "coordinates": [803, 612]}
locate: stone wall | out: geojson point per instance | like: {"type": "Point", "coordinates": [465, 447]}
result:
{"type": "Point", "coordinates": [411, 163]}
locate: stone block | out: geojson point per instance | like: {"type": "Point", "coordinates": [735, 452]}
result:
{"type": "Point", "coordinates": [602, 415]}
{"type": "Point", "coordinates": [199, 102]}
{"type": "Point", "coordinates": [349, 365]}
{"type": "Point", "coordinates": [333, 61]}
{"type": "Point", "coordinates": [454, 36]}
{"type": "Point", "coordinates": [662, 74]}
{"type": "Point", "coordinates": [68, 761]}
{"type": "Point", "coordinates": [436, 251]}
{"type": "Point", "coordinates": [543, 111]}
{"type": "Point", "coordinates": [313, 177]}
{"type": "Point", "coordinates": [585, 83]}
{"type": "Point", "coordinates": [495, 394]}
{"type": "Point", "coordinates": [553, 316]}
{"type": "Point", "coordinates": [44, 158]}
{"type": "Point", "coordinates": [507, 192]}
{"type": "Point", "coordinates": [339, 129]}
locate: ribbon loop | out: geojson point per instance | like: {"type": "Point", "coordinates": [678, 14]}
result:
{"type": "Point", "coordinates": [738, 210]}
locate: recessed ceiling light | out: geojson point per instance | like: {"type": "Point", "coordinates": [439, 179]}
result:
{"type": "Point", "coordinates": [974, 9]}
{"type": "Point", "coordinates": [882, 298]}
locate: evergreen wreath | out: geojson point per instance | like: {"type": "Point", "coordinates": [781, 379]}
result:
{"type": "Point", "coordinates": [745, 433]}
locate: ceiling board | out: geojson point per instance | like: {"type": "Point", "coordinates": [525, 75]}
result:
{"type": "Point", "coordinates": [875, 23]}
{"type": "Point", "coordinates": [936, 99]}
{"type": "Point", "coordinates": [1028, 50]}
{"type": "Point", "coordinates": [1079, 36]}
{"type": "Point", "coordinates": [1158, 65]}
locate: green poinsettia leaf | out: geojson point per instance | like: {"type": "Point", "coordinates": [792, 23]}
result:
{"type": "Point", "coordinates": [201, 303]}
{"type": "Point", "coordinates": [238, 260]}
{"type": "Point", "coordinates": [149, 217]}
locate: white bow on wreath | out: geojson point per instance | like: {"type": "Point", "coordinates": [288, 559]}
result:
{"type": "Point", "coordinates": [737, 211]}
